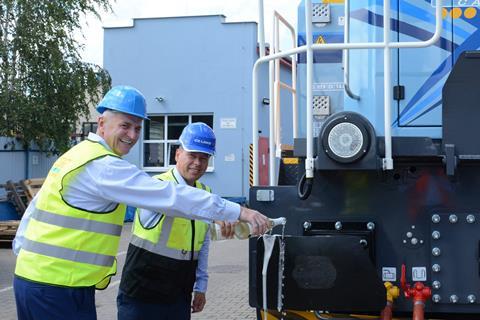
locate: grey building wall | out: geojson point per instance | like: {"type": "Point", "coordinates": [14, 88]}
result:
{"type": "Point", "coordinates": [19, 164]}
{"type": "Point", "coordinates": [197, 64]}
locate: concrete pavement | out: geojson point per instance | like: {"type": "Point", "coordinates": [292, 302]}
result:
{"type": "Point", "coordinates": [227, 295]}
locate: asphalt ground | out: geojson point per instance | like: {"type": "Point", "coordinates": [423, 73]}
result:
{"type": "Point", "coordinates": [227, 294]}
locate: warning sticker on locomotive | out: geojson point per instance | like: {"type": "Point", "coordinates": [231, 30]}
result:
{"type": "Point", "coordinates": [389, 274]}
{"type": "Point", "coordinates": [419, 274]}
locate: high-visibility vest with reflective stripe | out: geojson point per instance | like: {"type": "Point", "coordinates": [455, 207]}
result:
{"type": "Point", "coordinates": [65, 245]}
{"type": "Point", "coordinates": [171, 237]}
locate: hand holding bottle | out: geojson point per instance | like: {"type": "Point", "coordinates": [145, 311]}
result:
{"type": "Point", "coordinates": [227, 229]}
{"type": "Point", "coordinates": [258, 222]}
{"type": "Point", "coordinates": [252, 223]}
{"type": "Point", "coordinates": [243, 230]}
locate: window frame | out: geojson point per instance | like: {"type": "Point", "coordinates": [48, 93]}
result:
{"type": "Point", "coordinates": [91, 125]}
{"type": "Point", "coordinates": [167, 143]}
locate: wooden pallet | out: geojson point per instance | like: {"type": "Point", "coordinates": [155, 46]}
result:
{"type": "Point", "coordinates": [8, 229]}
{"type": "Point", "coordinates": [31, 187]}
{"type": "Point", "coordinates": [16, 195]}
{"type": "Point", "coordinates": [22, 193]}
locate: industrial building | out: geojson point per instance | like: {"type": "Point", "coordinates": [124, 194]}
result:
{"type": "Point", "coordinates": [196, 68]}
{"type": "Point", "coordinates": [193, 68]}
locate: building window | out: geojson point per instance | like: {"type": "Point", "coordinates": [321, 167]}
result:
{"type": "Point", "coordinates": [160, 139]}
{"type": "Point", "coordinates": [88, 127]}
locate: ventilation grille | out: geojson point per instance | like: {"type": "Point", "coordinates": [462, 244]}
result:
{"type": "Point", "coordinates": [321, 13]}
{"type": "Point", "coordinates": [321, 105]}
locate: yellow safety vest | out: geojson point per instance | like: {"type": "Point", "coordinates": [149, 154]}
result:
{"type": "Point", "coordinates": [65, 245]}
{"type": "Point", "coordinates": [172, 237]}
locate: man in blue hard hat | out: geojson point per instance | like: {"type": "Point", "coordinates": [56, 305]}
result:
{"type": "Point", "coordinates": [69, 235]}
{"type": "Point", "coordinates": [167, 257]}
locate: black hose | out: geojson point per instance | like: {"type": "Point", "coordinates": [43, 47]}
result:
{"type": "Point", "coordinates": [304, 187]}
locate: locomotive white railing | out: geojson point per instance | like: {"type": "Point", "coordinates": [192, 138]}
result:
{"type": "Point", "coordinates": [386, 45]}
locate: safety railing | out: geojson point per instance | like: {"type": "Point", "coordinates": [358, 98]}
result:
{"type": "Point", "coordinates": [309, 47]}
{"type": "Point", "coordinates": [346, 53]}
{"type": "Point", "coordinates": [275, 86]}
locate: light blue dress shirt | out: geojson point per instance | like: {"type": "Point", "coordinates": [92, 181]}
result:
{"type": "Point", "coordinates": [107, 181]}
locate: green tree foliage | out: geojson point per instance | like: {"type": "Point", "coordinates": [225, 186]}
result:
{"type": "Point", "coordinates": [44, 85]}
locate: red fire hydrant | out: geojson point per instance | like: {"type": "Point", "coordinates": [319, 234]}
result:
{"type": "Point", "coordinates": [420, 293]}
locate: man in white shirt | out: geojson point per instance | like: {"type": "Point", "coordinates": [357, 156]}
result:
{"type": "Point", "coordinates": [69, 235]}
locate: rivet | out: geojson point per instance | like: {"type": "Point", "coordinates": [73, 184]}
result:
{"type": "Point", "coordinates": [453, 298]}
{"type": "Point", "coordinates": [307, 225]}
{"type": "Point", "coordinates": [338, 225]}
{"type": "Point", "coordinates": [470, 218]}
{"type": "Point", "coordinates": [453, 218]}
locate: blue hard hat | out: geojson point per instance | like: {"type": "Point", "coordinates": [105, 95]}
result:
{"type": "Point", "coordinates": [124, 99]}
{"type": "Point", "coordinates": [198, 137]}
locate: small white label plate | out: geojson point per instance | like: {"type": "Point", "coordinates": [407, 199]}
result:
{"type": "Point", "coordinates": [389, 274]}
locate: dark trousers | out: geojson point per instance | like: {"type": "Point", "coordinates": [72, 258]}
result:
{"type": "Point", "coordinates": [133, 309]}
{"type": "Point", "coordinates": [41, 301]}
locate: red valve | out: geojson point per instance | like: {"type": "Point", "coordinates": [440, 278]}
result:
{"type": "Point", "coordinates": [420, 293]}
